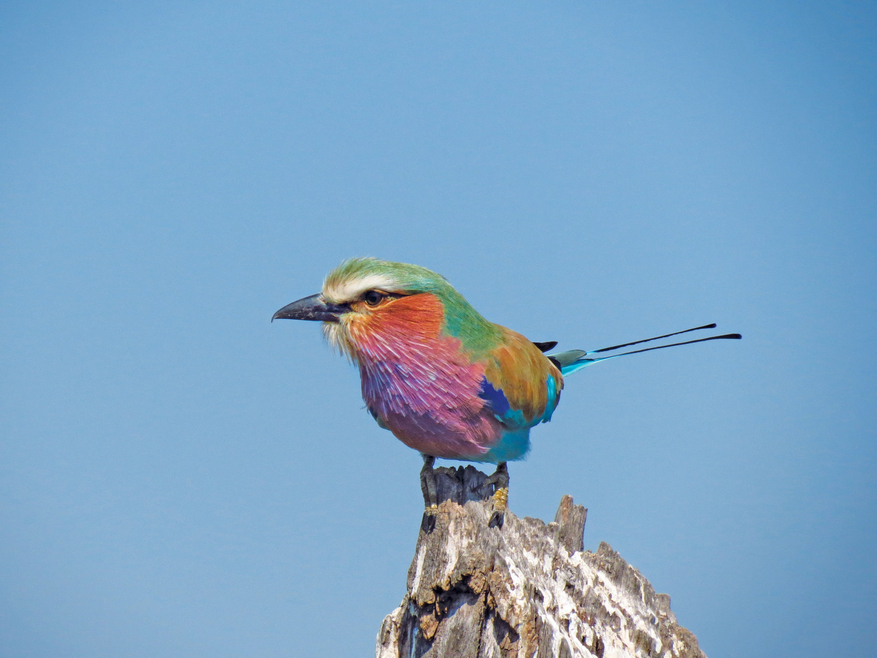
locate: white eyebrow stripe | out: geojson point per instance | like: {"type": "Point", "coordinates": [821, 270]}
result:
{"type": "Point", "coordinates": [348, 290]}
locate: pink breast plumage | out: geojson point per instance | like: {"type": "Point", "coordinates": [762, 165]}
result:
{"type": "Point", "coordinates": [425, 390]}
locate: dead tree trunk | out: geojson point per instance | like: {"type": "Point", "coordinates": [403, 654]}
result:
{"type": "Point", "coordinates": [526, 590]}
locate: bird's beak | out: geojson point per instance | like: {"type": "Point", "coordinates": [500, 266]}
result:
{"type": "Point", "coordinates": [312, 308]}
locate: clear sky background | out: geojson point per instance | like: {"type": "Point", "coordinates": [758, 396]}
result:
{"type": "Point", "coordinates": [179, 477]}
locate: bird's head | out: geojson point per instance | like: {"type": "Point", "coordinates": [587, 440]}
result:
{"type": "Point", "coordinates": [367, 304]}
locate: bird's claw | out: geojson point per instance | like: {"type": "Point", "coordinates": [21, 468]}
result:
{"type": "Point", "coordinates": [427, 523]}
{"type": "Point", "coordinates": [430, 494]}
{"type": "Point", "coordinates": [500, 505]}
{"type": "Point", "coordinates": [500, 498]}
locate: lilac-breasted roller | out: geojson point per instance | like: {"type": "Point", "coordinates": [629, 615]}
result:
{"type": "Point", "coordinates": [443, 379]}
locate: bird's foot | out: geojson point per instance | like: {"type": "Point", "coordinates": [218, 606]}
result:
{"type": "Point", "coordinates": [427, 523]}
{"type": "Point", "coordinates": [430, 494]}
{"type": "Point", "coordinates": [500, 505]}
{"type": "Point", "coordinates": [500, 498]}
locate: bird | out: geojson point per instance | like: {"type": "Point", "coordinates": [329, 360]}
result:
{"type": "Point", "coordinates": [443, 379]}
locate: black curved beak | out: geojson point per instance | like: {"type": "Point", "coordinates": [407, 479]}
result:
{"type": "Point", "coordinates": [312, 308]}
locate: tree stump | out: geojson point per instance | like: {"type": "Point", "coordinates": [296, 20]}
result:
{"type": "Point", "coordinates": [525, 590]}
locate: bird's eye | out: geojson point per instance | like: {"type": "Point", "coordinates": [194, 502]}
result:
{"type": "Point", "coordinates": [372, 297]}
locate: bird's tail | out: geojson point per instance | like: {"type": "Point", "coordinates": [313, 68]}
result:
{"type": "Point", "coordinates": [573, 360]}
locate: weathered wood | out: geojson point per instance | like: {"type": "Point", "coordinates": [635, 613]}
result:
{"type": "Point", "coordinates": [526, 590]}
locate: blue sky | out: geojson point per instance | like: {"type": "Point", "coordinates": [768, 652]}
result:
{"type": "Point", "coordinates": [178, 476]}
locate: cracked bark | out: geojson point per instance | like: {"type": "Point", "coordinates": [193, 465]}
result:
{"type": "Point", "coordinates": [527, 589]}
